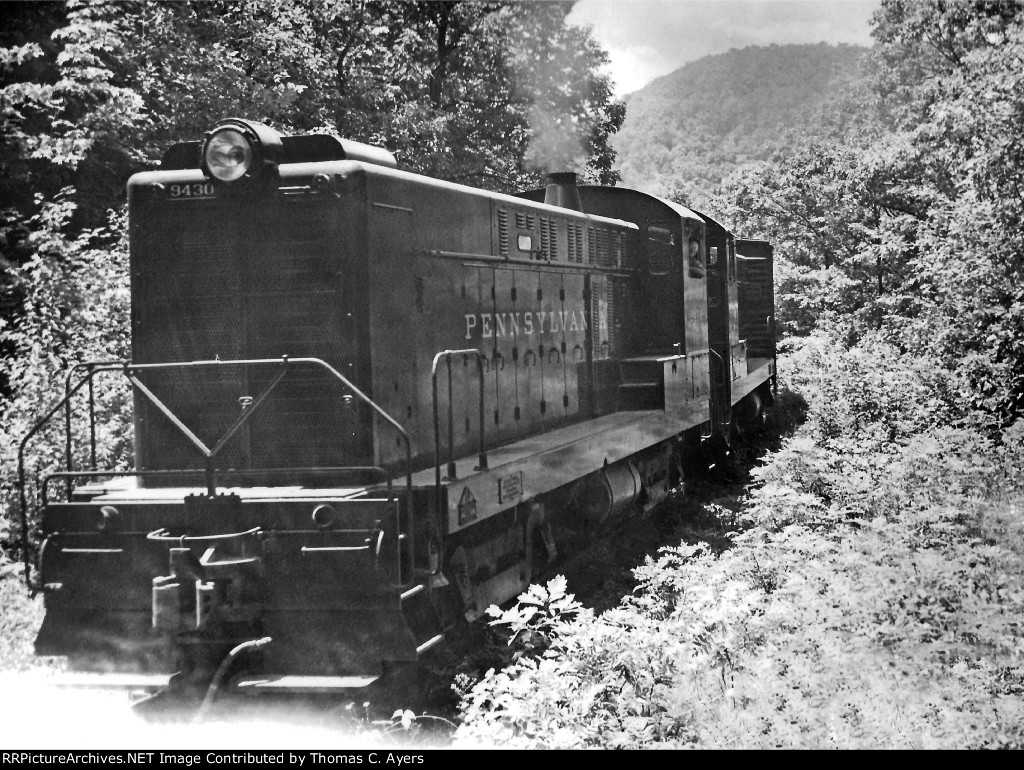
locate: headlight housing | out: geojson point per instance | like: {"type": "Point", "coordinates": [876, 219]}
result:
{"type": "Point", "coordinates": [238, 151]}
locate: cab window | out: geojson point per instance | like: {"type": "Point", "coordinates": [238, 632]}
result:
{"type": "Point", "coordinates": [694, 258]}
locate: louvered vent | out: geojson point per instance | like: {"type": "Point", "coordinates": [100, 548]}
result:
{"type": "Point", "coordinates": [603, 256]}
{"type": "Point", "coordinates": [503, 232]}
{"type": "Point", "coordinates": [525, 221]}
{"type": "Point", "coordinates": [549, 237]}
{"type": "Point", "coordinates": [598, 249]}
{"type": "Point", "coordinates": [575, 233]}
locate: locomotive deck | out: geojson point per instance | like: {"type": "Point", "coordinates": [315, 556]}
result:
{"type": "Point", "coordinates": [539, 464]}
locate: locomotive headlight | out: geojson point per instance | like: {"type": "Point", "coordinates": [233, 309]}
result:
{"type": "Point", "coordinates": [240, 150]}
{"type": "Point", "coordinates": [228, 155]}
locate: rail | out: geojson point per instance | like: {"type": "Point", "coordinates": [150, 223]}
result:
{"type": "Point", "coordinates": [451, 469]}
{"type": "Point", "coordinates": [130, 371]}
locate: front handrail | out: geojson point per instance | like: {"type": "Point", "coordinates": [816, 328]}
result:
{"type": "Point", "coordinates": [92, 412]}
{"type": "Point", "coordinates": [130, 370]}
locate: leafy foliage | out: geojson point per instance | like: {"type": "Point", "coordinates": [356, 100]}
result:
{"type": "Point", "coordinates": [908, 221]}
{"type": "Point", "coordinates": [874, 597]}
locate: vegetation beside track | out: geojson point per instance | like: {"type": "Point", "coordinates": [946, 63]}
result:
{"type": "Point", "coordinates": [871, 595]}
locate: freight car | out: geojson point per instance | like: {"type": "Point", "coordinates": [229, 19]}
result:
{"type": "Point", "coordinates": [367, 403]}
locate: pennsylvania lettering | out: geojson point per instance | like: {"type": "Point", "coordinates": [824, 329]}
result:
{"type": "Point", "coordinates": [528, 322]}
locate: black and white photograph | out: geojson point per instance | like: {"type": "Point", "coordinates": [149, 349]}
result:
{"type": "Point", "coordinates": [382, 380]}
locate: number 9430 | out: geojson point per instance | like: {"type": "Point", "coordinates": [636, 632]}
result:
{"type": "Point", "coordinates": [192, 190]}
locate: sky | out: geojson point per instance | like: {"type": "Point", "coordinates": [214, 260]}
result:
{"type": "Point", "coordinates": [646, 39]}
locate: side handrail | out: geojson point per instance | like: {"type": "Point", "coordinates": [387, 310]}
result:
{"type": "Point", "coordinates": [88, 365]}
{"type": "Point", "coordinates": [482, 461]}
{"type": "Point", "coordinates": [22, 495]}
{"type": "Point", "coordinates": [130, 370]}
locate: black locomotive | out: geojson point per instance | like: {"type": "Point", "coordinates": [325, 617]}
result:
{"type": "Point", "coordinates": [367, 402]}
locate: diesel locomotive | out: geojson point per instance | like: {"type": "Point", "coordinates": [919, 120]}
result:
{"type": "Point", "coordinates": [367, 404]}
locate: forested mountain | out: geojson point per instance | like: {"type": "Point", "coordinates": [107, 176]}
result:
{"type": "Point", "coordinates": [688, 130]}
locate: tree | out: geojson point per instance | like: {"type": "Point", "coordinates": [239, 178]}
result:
{"type": "Point", "coordinates": [909, 220]}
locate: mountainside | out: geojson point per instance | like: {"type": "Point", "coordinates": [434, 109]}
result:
{"type": "Point", "coordinates": [686, 131]}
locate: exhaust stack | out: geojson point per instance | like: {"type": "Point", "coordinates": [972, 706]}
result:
{"type": "Point", "coordinates": [562, 191]}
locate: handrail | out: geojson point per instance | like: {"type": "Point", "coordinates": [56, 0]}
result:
{"type": "Point", "coordinates": [129, 370]}
{"type": "Point", "coordinates": [22, 497]}
{"type": "Point", "coordinates": [247, 412]}
{"type": "Point", "coordinates": [482, 462]}
{"type": "Point", "coordinates": [92, 413]}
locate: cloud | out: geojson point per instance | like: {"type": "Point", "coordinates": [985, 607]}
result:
{"type": "Point", "coordinates": [649, 38]}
